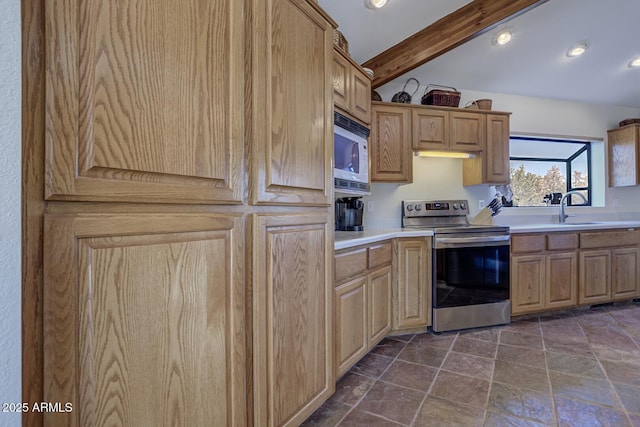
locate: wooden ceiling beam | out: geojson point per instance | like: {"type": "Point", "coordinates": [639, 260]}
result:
{"type": "Point", "coordinates": [460, 26]}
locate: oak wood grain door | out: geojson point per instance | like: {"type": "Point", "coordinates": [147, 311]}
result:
{"type": "Point", "coordinates": [144, 101]}
{"type": "Point", "coordinates": [625, 273]}
{"type": "Point", "coordinates": [390, 146]}
{"type": "Point", "coordinates": [467, 131]}
{"type": "Point", "coordinates": [379, 304]}
{"type": "Point", "coordinates": [430, 129]}
{"type": "Point", "coordinates": [351, 323]}
{"type": "Point", "coordinates": [341, 78]}
{"type": "Point", "coordinates": [144, 319]}
{"type": "Point", "coordinates": [360, 95]}
{"type": "Point", "coordinates": [527, 283]}
{"type": "Point", "coordinates": [293, 370]}
{"type": "Point", "coordinates": [496, 154]}
{"type": "Point", "coordinates": [413, 293]}
{"type": "Point", "coordinates": [595, 276]}
{"type": "Point", "coordinates": [561, 287]}
{"type": "Point", "coordinates": [291, 103]}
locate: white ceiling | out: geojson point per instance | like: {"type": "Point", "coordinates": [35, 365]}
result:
{"type": "Point", "coordinates": [533, 64]}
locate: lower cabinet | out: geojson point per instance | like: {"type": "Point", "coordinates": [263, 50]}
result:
{"type": "Point", "coordinates": [544, 272]}
{"type": "Point", "coordinates": [292, 297]}
{"type": "Point", "coordinates": [362, 301]}
{"type": "Point", "coordinates": [144, 319]}
{"type": "Point", "coordinates": [412, 291]}
{"type": "Point", "coordinates": [609, 275]}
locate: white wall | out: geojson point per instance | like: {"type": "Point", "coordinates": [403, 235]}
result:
{"type": "Point", "coordinates": [442, 178]}
{"type": "Point", "coordinates": [10, 147]}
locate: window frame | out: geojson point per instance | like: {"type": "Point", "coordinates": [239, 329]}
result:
{"type": "Point", "coordinates": [568, 169]}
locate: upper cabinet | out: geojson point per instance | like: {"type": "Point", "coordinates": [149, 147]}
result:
{"type": "Point", "coordinates": [351, 87]}
{"type": "Point", "coordinates": [137, 108]}
{"type": "Point", "coordinates": [624, 156]}
{"type": "Point", "coordinates": [399, 129]}
{"type": "Point", "coordinates": [390, 145]}
{"type": "Point", "coordinates": [492, 166]}
{"type": "Point", "coordinates": [291, 103]}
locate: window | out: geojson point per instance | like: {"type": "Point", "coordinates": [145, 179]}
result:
{"type": "Point", "coordinates": [543, 167]}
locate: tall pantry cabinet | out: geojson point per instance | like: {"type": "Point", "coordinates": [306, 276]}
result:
{"type": "Point", "coordinates": [177, 194]}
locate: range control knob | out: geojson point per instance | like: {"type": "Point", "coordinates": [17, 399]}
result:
{"type": "Point", "coordinates": [456, 206]}
{"type": "Point", "coordinates": [409, 207]}
{"type": "Point", "coordinates": [463, 205]}
{"type": "Point", "coordinates": [418, 207]}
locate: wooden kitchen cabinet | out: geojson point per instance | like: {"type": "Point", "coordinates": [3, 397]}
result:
{"type": "Point", "coordinates": [412, 292]}
{"type": "Point", "coordinates": [624, 155]}
{"type": "Point", "coordinates": [362, 301]}
{"type": "Point", "coordinates": [125, 130]}
{"type": "Point", "coordinates": [492, 166]}
{"type": "Point", "coordinates": [544, 272]}
{"type": "Point", "coordinates": [149, 308]}
{"type": "Point", "coordinates": [430, 129]}
{"type": "Point", "coordinates": [292, 65]}
{"type": "Point", "coordinates": [448, 129]}
{"type": "Point", "coordinates": [390, 146]}
{"type": "Point", "coordinates": [609, 266]}
{"type": "Point", "coordinates": [468, 131]}
{"type": "Point", "coordinates": [293, 340]}
{"type": "Point", "coordinates": [351, 87]}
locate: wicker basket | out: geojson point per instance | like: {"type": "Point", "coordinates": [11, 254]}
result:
{"type": "Point", "coordinates": [443, 98]}
{"type": "Point", "coordinates": [340, 41]}
{"type": "Point", "coordinates": [479, 104]}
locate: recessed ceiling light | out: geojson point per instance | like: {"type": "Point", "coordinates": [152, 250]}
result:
{"type": "Point", "coordinates": [635, 63]}
{"type": "Point", "coordinates": [503, 36]}
{"type": "Point", "coordinates": [375, 4]}
{"type": "Point", "coordinates": [577, 49]}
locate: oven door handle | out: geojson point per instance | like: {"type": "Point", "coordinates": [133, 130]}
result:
{"type": "Point", "coordinates": [460, 242]}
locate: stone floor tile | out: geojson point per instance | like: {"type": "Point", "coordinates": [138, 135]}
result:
{"type": "Point", "coordinates": [351, 388]}
{"type": "Point", "coordinates": [520, 339]}
{"type": "Point", "coordinates": [410, 375]}
{"type": "Point", "coordinates": [622, 372]}
{"type": "Point", "coordinates": [572, 364]}
{"type": "Point", "coordinates": [358, 418]}
{"type": "Point", "coordinates": [434, 341]}
{"type": "Point", "coordinates": [522, 355]}
{"type": "Point", "coordinates": [577, 348]}
{"type": "Point", "coordinates": [467, 364]}
{"type": "Point", "coordinates": [630, 397]}
{"type": "Point", "coordinates": [613, 354]}
{"type": "Point", "coordinates": [461, 389]}
{"type": "Point", "coordinates": [596, 319]}
{"type": "Point", "coordinates": [635, 419]}
{"type": "Point", "coordinates": [395, 403]}
{"type": "Point", "coordinates": [484, 334]}
{"type": "Point", "coordinates": [475, 347]}
{"type": "Point", "coordinates": [579, 414]}
{"type": "Point", "coordinates": [584, 388]}
{"type": "Point", "coordinates": [521, 376]}
{"type": "Point", "coordinates": [441, 412]}
{"type": "Point", "coordinates": [389, 347]}
{"type": "Point", "coordinates": [328, 415]}
{"type": "Point", "coordinates": [423, 354]}
{"type": "Point", "coordinates": [372, 365]}
{"type": "Point", "coordinates": [611, 336]}
{"type": "Point", "coordinates": [497, 419]}
{"type": "Point", "coordinates": [522, 403]}
{"type": "Point", "coordinates": [531, 326]}
{"type": "Point", "coordinates": [564, 334]}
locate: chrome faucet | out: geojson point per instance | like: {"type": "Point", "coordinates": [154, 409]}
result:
{"type": "Point", "coordinates": [562, 218]}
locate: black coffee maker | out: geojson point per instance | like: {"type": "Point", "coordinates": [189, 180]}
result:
{"type": "Point", "coordinates": [349, 212]}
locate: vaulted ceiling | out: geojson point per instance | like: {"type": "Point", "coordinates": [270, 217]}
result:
{"type": "Point", "coordinates": [533, 64]}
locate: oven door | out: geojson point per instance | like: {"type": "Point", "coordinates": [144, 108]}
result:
{"type": "Point", "coordinates": [470, 269]}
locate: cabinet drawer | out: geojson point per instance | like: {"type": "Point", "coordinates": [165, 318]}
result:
{"type": "Point", "coordinates": [562, 241]}
{"type": "Point", "coordinates": [349, 264]}
{"type": "Point", "coordinates": [379, 254]}
{"type": "Point", "coordinates": [527, 243]}
{"type": "Point", "coordinates": [606, 239]}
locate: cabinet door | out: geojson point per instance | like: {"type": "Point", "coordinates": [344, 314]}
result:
{"type": "Point", "coordinates": [496, 155]}
{"type": "Point", "coordinates": [293, 371]}
{"type": "Point", "coordinates": [361, 96]}
{"type": "Point", "coordinates": [625, 275]}
{"type": "Point", "coordinates": [624, 156]}
{"type": "Point", "coordinates": [562, 280]}
{"type": "Point", "coordinates": [413, 287]}
{"type": "Point", "coordinates": [379, 305]}
{"type": "Point", "coordinates": [390, 148]}
{"type": "Point", "coordinates": [144, 103]}
{"type": "Point", "coordinates": [595, 276]}
{"type": "Point", "coordinates": [351, 323]}
{"type": "Point", "coordinates": [341, 81]}
{"type": "Point", "coordinates": [430, 129]}
{"type": "Point", "coordinates": [291, 104]}
{"type": "Point", "coordinates": [527, 283]}
{"type": "Point", "coordinates": [467, 131]}
{"type": "Point", "coordinates": [144, 319]}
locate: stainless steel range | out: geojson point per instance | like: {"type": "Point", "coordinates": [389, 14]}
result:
{"type": "Point", "coordinates": [470, 265]}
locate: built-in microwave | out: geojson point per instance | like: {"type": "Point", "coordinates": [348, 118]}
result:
{"type": "Point", "coordinates": [351, 156]}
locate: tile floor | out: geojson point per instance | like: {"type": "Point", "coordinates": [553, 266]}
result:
{"type": "Point", "coordinates": [578, 368]}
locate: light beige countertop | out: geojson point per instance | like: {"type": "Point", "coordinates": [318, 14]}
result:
{"type": "Point", "coordinates": [348, 239]}
{"type": "Point", "coordinates": [573, 226]}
